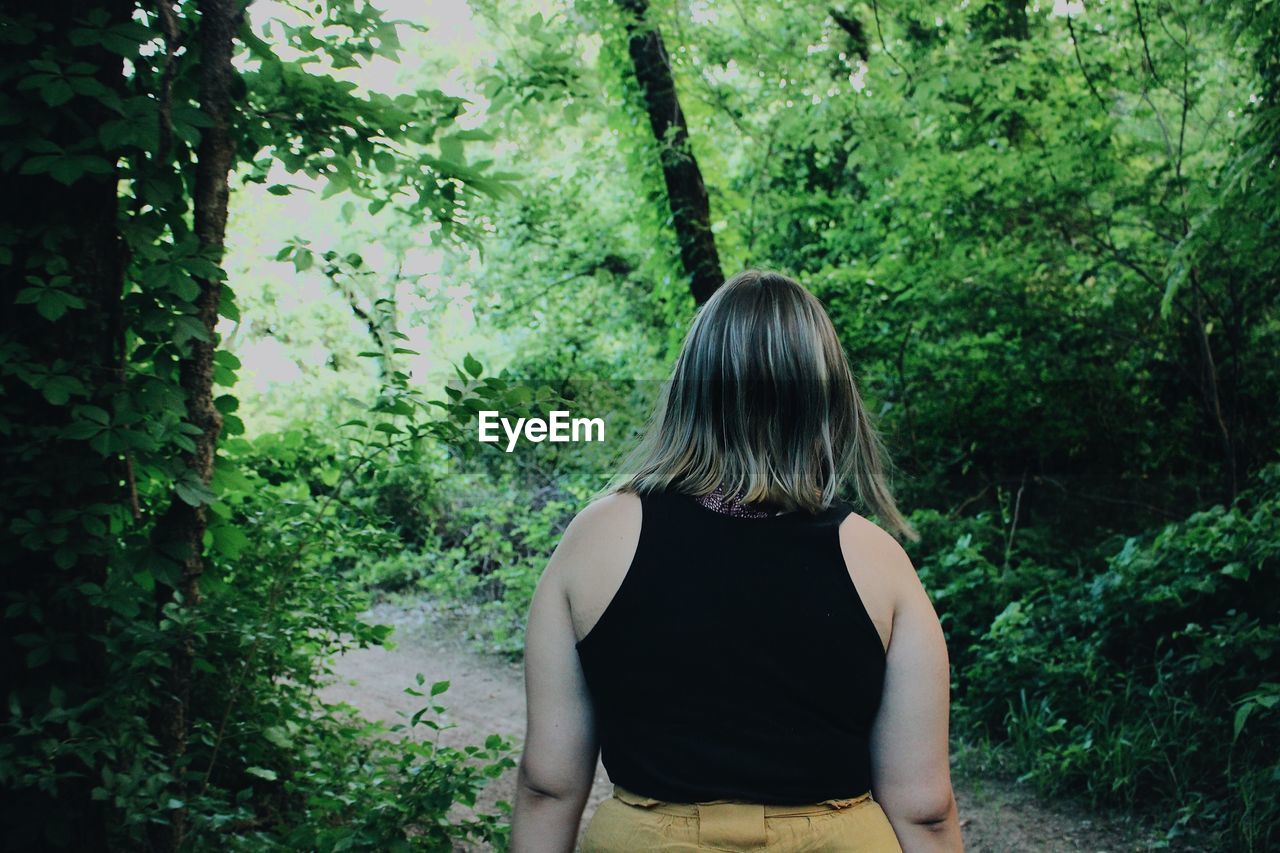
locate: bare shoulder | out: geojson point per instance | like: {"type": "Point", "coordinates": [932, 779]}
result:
{"type": "Point", "coordinates": [595, 553]}
{"type": "Point", "coordinates": [613, 508]}
{"type": "Point", "coordinates": [862, 540]}
{"type": "Point", "coordinates": [604, 522]}
{"type": "Point", "coordinates": [880, 569]}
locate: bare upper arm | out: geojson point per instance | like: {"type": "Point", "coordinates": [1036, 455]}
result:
{"type": "Point", "coordinates": [910, 750]}
{"type": "Point", "coordinates": [560, 745]}
{"type": "Point", "coordinates": [866, 554]}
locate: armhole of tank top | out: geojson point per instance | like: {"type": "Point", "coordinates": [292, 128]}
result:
{"type": "Point", "coordinates": [646, 515]}
{"type": "Point", "coordinates": [868, 624]}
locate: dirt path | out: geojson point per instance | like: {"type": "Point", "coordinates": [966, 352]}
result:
{"type": "Point", "coordinates": [486, 696]}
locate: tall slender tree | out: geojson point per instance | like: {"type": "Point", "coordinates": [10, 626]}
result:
{"type": "Point", "coordinates": [181, 529]}
{"type": "Point", "coordinates": [686, 191]}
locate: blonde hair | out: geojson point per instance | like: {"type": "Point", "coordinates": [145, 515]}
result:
{"type": "Point", "coordinates": [762, 402]}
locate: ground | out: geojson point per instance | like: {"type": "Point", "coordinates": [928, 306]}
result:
{"type": "Point", "coordinates": [486, 696]}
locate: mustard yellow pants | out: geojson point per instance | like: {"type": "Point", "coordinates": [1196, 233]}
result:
{"type": "Point", "coordinates": [632, 823]}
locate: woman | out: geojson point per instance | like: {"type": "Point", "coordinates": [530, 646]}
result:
{"type": "Point", "coordinates": [758, 664]}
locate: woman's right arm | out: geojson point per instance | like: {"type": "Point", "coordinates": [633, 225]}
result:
{"type": "Point", "coordinates": [910, 749]}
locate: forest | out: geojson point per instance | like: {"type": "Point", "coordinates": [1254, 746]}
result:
{"type": "Point", "coordinates": [263, 265]}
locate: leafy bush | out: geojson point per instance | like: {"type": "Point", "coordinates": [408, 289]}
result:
{"type": "Point", "coordinates": [483, 560]}
{"type": "Point", "coordinates": [278, 766]}
{"type": "Point", "coordinates": [1142, 683]}
{"type": "Point", "coordinates": [356, 789]}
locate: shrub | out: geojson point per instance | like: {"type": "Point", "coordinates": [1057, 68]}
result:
{"type": "Point", "coordinates": [1144, 683]}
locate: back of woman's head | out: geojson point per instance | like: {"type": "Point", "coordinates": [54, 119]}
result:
{"type": "Point", "coordinates": [762, 403]}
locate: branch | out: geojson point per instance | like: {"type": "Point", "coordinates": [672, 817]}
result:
{"type": "Point", "coordinates": [1075, 45]}
{"type": "Point", "coordinates": [1146, 48]}
{"type": "Point", "coordinates": [875, 11]}
{"type": "Point", "coordinates": [1013, 527]}
{"type": "Point", "coordinates": [172, 35]}
{"type": "Point", "coordinates": [1040, 478]}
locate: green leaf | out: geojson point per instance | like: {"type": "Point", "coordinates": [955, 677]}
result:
{"type": "Point", "coordinates": [474, 367]}
{"type": "Point", "coordinates": [262, 773]}
{"type": "Point", "coordinates": [226, 359]}
{"type": "Point", "coordinates": [1237, 570]}
{"type": "Point", "coordinates": [51, 303]}
{"type": "Point", "coordinates": [56, 92]}
{"type": "Point", "coordinates": [1242, 716]}
{"type": "Point", "coordinates": [227, 305]}
{"type": "Point", "coordinates": [68, 170]}
{"type": "Point", "coordinates": [279, 736]}
{"type": "Point", "coordinates": [193, 492]}
{"type": "Point", "coordinates": [58, 389]}
{"type": "Point", "coordinates": [81, 430]}
{"type": "Point", "coordinates": [94, 414]}
{"type": "Point", "coordinates": [451, 149]}
{"type": "Point", "coordinates": [229, 540]}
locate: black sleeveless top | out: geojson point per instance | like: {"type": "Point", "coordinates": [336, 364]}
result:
{"type": "Point", "coordinates": [736, 660]}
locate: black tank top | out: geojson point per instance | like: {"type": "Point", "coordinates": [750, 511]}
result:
{"type": "Point", "coordinates": [736, 660]}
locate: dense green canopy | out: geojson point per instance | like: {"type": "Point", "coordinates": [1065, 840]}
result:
{"type": "Point", "coordinates": [243, 250]}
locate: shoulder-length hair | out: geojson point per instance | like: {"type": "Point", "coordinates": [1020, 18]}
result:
{"type": "Point", "coordinates": [763, 404]}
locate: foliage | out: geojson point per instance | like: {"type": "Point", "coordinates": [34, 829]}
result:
{"type": "Point", "coordinates": [294, 772]}
{"type": "Point", "coordinates": [158, 697]}
{"type": "Point", "coordinates": [1047, 241]}
{"type": "Point", "coordinates": [385, 794]}
{"type": "Point", "coordinates": [276, 766]}
{"type": "Point", "coordinates": [1140, 678]}
{"type": "Point", "coordinates": [1046, 235]}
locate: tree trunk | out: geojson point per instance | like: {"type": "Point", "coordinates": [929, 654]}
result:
{"type": "Point", "coordinates": [66, 237]}
{"type": "Point", "coordinates": [181, 529]}
{"type": "Point", "coordinates": [686, 193]}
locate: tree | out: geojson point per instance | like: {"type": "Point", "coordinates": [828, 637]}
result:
{"type": "Point", "coordinates": [122, 126]}
{"type": "Point", "coordinates": [686, 192]}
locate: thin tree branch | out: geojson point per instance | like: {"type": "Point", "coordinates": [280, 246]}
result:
{"type": "Point", "coordinates": [1146, 48]}
{"type": "Point", "coordinates": [1075, 44]}
{"type": "Point", "coordinates": [875, 11]}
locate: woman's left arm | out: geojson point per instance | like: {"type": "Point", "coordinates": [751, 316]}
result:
{"type": "Point", "coordinates": [558, 765]}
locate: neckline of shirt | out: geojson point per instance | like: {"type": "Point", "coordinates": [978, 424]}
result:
{"type": "Point", "coordinates": [794, 515]}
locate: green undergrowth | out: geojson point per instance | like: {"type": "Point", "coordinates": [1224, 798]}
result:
{"type": "Point", "coordinates": [1129, 678]}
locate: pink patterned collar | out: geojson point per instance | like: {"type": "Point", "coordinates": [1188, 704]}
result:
{"type": "Point", "coordinates": [721, 502]}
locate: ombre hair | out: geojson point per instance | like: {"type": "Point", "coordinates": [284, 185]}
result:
{"type": "Point", "coordinates": [763, 404]}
